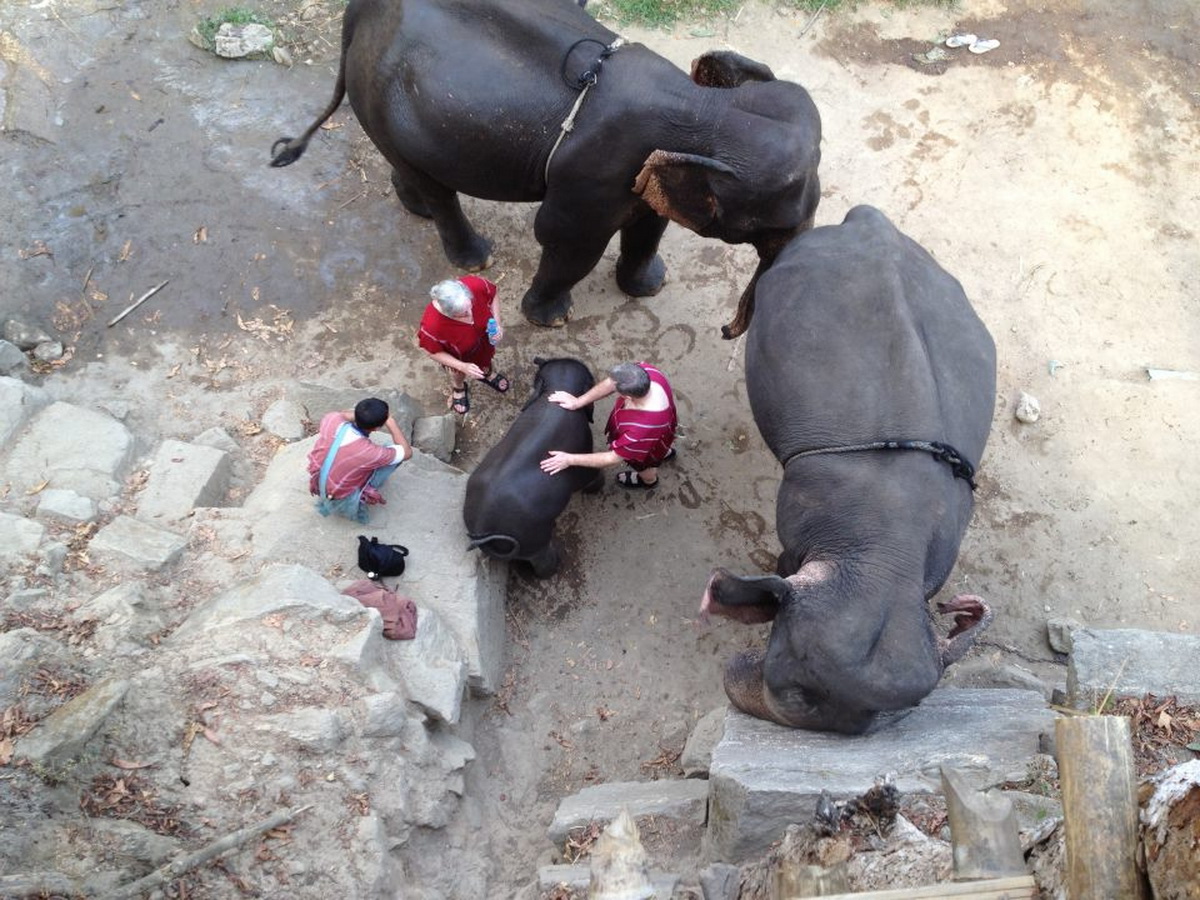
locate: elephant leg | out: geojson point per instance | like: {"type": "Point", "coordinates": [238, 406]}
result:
{"type": "Point", "coordinates": [410, 197]}
{"type": "Point", "coordinates": [570, 250]}
{"type": "Point", "coordinates": [640, 270]}
{"type": "Point", "coordinates": [545, 563]}
{"type": "Point", "coordinates": [593, 486]}
{"type": "Point", "coordinates": [421, 195]}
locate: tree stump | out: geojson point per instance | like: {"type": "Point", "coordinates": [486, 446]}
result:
{"type": "Point", "coordinates": [1099, 794]}
{"type": "Point", "coordinates": [983, 830]}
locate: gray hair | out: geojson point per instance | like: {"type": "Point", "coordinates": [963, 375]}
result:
{"type": "Point", "coordinates": [631, 379]}
{"type": "Point", "coordinates": [451, 297]}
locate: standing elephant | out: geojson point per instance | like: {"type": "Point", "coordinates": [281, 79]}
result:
{"type": "Point", "coordinates": [511, 504]}
{"type": "Point", "coordinates": [528, 100]}
{"type": "Point", "coordinates": [873, 382]}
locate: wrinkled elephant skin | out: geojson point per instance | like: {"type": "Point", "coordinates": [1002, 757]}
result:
{"type": "Point", "coordinates": [511, 504]}
{"type": "Point", "coordinates": [471, 97]}
{"type": "Point", "coordinates": [859, 336]}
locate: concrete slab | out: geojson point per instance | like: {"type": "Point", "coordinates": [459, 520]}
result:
{"type": "Point", "coordinates": [74, 448]}
{"type": "Point", "coordinates": [182, 477]}
{"type": "Point", "coordinates": [686, 800]}
{"type": "Point", "coordinates": [1132, 663]}
{"type": "Point", "coordinates": [765, 777]}
{"type": "Point", "coordinates": [131, 545]}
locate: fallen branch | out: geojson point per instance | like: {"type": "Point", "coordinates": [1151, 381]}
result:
{"type": "Point", "coordinates": [218, 847]}
{"type": "Point", "coordinates": [138, 302]}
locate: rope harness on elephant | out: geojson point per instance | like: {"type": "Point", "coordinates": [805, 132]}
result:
{"type": "Point", "coordinates": [583, 83]}
{"type": "Point", "coordinates": [941, 452]}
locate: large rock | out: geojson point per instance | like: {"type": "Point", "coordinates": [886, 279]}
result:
{"type": "Point", "coordinates": [133, 546]}
{"type": "Point", "coordinates": [12, 359]}
{"type": "Point", "coordinates": [1171, 833]}
{"type": "Point", "coordinates": [685, 800]}
{"type": "Point", "coordinates": [60, 738]}
{"type": "Point", "coordinates": [182, 477]}
{"type": "Point", "coordinates": [61, 505]}
{"type": "Point", "coordinates": [465, 589]}
{"type": "Point", "coordinates": [765, 777]}
{"type": "Point", "coordinates": [434, 667]}
{"type": "Point", "coordinates": [71, 447]}
{"type": "Point", "coordinates": [19, 537]}
{"type": "Point", "coordinates": [1131, 663]}
{"type": "Point", "coordinates": [18, 403]}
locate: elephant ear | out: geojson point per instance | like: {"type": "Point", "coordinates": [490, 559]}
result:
{"type": "Point", "coordinates": [726, 69]}
{"type": "Point", "coordinates": [680, 187]}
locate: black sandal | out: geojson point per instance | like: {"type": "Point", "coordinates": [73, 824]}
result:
{"type": "Point", "coordinates": [497, 382]}
{"type": "Point", "coordinates": [633, 481]}
{"type": "Point", "coordinates": [461, 405]}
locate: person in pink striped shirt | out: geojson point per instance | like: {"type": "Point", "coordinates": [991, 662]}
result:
{"type": "Point", "coordinates": [346, 468]}
{"type": "Point", "coordinates": [640, 430]}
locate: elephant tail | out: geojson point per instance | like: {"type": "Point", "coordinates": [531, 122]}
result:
{"type": "Point", "coordinates": [293, 148]}
{"type": "Point", "coordinates": [500, 546]}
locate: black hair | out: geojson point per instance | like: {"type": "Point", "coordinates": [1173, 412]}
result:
{"type": "Point", "coordinates": [370, 414]}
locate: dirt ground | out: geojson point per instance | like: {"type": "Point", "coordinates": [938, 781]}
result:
{"type": "Point", "coordinates": [1056, 177]}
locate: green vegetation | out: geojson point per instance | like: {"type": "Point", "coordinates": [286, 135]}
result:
{"type": "Point", "coordinates": [233, 15]}
{"type": "Point", "coordinates": [664, 13]}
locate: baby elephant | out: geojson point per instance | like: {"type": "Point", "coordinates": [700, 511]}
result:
{"type": "Point", "coordinates": [511, 503]}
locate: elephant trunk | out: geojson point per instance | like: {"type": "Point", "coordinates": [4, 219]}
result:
{"type": "Point", "coordinates": [768, 249]}
{"type": "Point", "coordinates": [744, 685]}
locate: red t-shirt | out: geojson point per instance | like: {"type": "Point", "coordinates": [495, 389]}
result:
{"type": "Point", "coordinates": [465, 341]}
{"type": "Point", "coordinates": [643, 436]}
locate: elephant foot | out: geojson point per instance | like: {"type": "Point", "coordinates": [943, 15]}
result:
{"type": "Point", "coordinates": [546, 563]}
{"type": "Point", "coordinates": [594, 486]}
{"type": "Point", "coordinates": [643, 280]}
{"type": "Point", "coordinates": [744, 684]}
{"type": "Point", "coordinates": [550, 312]}
{"type": "Point", "coordinates": [473, 255]}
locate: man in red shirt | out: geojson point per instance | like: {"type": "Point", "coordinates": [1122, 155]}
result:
{"type": "Point", "coordinates": [455, 332]}
{"type": "Point", "coordinates": [640, 430]}
{"type": "Point", "coordinates": [346, 468]}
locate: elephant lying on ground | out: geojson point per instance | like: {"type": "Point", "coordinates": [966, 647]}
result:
{"type": "Point", "coordinates": [873, 382]}
{"type": "Point", "coordinates": [471, 96]}
{"type": "Point", "coordinates": [511, 504]}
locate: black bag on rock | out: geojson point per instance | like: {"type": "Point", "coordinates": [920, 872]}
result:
{"type": "Point", "coordinates": [380, 560]}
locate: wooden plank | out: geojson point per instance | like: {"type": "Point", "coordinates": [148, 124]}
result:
{"type": "Point", "coordinates": [1100, 809]}
{"type": "Point", "coordinates": [1021, 887]}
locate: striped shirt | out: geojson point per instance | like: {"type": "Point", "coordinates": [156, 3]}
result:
{"type": "Point", "coordinates": [642, 436]}
{"type": "Point", "coordinates": [357, 458]}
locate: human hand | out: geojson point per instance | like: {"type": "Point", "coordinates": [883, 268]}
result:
{"type": "Point", "coordinates": [556, 462]}
{"type": "Point", "coordinates": [472, 371]}
{"type": "Point", "coordinates": [565, 400]}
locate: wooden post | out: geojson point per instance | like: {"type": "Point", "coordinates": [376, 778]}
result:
{"type": "Point", "coordinates": [983, 830]}
{"type": "Point", "coordinates": [1099, 796]}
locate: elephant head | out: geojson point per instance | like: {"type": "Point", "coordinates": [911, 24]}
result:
{"type": "Point", "coordinates": [757, 183]}
{"type": "Point", "coordinates": [833, 662]}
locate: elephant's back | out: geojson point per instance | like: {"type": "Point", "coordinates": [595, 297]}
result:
{"type": "Point", "coordinates": [859, 336]}
{"type": "Point", "coordinates": [508, 487]}
{"type": "Point", "coordinates": [467, 92]}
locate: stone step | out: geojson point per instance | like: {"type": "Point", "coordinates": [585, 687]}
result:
{"type": "Point", "coordinates": [684, 800]}
{"type": "Point", "coordinates": [764, 776]}
{"type": "Point", "coordinates": [181, 477]}
{"type": "Point", "coordinates": [1131, 663]}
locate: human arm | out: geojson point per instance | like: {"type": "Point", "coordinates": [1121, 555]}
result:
{"type": "Point", "coordinates": [560, 459]}
{"type": "Point", "coordinates": [403, 447]}
{"type": "Point", "coordinates": [453, 362]}
{"type": "Point", "coordinates": [495, 311]}
{"type": "Point", "coordinates": [570, 401]}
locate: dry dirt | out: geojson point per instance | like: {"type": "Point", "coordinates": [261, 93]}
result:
{"type": "Point", "coordinates": [1056, 177]}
